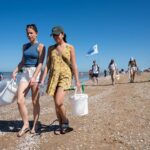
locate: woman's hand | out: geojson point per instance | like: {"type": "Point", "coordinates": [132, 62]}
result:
{"type": "Point", "coordinates": [78, 84]}
{"type": "Point", "coordinates": [32, 81]}
{"type": "Point", "coordinates": [14, 74]}
{"type": "Point", "coordinates": [42, 82]}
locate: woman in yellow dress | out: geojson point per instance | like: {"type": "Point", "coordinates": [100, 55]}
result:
{"type": "Point", "coordinates": [61, 65]}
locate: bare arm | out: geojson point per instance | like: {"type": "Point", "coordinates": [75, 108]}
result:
{"type": "Point", "coordinates": [74, 66]}
{"type": "Point", "coordinates": [41, 50]}
{"type": "Point", "coordinates": [129, 63]}
{"type": "Point", "coordinates": [136, 64]}
{"type": "Point", "coordinates": [19, 66]}
{"type": "Point", "coordinates": [46, 69]}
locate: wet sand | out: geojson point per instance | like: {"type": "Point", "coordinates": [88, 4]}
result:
{"type": "Point", "coordinates": [118, 119]}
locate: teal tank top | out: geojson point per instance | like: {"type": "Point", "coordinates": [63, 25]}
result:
{"type": "Point", "coordinates": [31, 55]}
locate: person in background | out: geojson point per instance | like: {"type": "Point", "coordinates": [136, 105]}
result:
{"type": "Point", "coordinates": [132, 67]}
{"type": "Point", "coordinates": [95, 72]}
{"type": "Point", "coordinates": [90, 74]}
{"type": "Point", "coordinates": [1, 76]}
{"type": "Point", "coordinates": [113, 70]}
{"type": "Point", "coordinates": [122, 71]}
{"type": "Point", "coordinates": [61, 65]}
{"type": "Point", "coordinates": [105, 73]}
{"type": "Point", "coordinates": [31, 65]}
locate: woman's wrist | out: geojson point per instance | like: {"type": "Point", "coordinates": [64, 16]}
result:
{"type": "Point", "coordinates": [77, 83]}
{"type": "Point", "coordinates": [14, 73]}
{"type": "Point", "coordinates": [42, 81]}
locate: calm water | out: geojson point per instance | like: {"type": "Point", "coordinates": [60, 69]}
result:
{"type": "Point", "coordinates": [83, 76]}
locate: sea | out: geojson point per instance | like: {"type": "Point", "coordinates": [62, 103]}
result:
{"type": "Point", "coordinates": [83, 76]}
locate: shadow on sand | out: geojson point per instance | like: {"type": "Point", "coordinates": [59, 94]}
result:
{"type": "Point", "coordinates": [12, 125]}
{"type": "Point", "coordinates": [52, 127]}
{"type": "Point", "coordinates": [15, 126]}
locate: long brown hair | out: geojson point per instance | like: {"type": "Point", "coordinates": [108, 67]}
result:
{"type": "Point", "coordinates": [65, 37]}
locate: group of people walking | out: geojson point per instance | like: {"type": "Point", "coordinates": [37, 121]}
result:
{"type": "Point", "coordinates": [132, 69]}
{"type": "Point", "coordinates": [60, 67]}
{"type": "Point", "coordinates": [114, 73]}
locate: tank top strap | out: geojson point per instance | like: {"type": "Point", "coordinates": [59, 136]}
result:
{"type": "Point", "coordinates": [68, 47]}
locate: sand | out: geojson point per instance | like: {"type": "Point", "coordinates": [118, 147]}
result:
{"type": "Point", "coordinates": [118, 119]}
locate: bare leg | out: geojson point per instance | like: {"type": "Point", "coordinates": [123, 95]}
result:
{"type": "Point", "coordinates": [36, 106]}
{"type": "Point", "coordinates": [58, 114]}
{"type": "Point", "coordinates": [94, 79]}
{"type": "Point", "coordinates": [113, 77]}
{"type": "Point", "coordinates": [59, 103]}
{"type": "Point", "coordinates": [97, 80]}
{"type": "Point", "coordinates": [133, 75]}
{"type": "Point", "coordinates": [58, 130]}
{"type": "Point", "coordinates": [22, 91]}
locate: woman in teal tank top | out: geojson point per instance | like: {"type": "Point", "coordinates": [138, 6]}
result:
{"type": "Point", "coordinates": [31, 64]}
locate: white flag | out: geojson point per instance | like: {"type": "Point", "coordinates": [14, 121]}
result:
{"type": "Point", "coordinates": [93, 50]}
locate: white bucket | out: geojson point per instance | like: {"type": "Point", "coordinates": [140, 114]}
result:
{"type": "Point", "coordinates": [79, 104]}
{"type": "Point", "coordinates": [8, 90]}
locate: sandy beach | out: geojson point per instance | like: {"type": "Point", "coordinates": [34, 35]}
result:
{"type": "Point", "coordinates": [118, 119]}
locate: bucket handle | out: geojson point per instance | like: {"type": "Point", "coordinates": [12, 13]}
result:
{"type": "Point", "coordinates": [76, 90]}
{"type": "Point", "coordinates": [12, 83]}
{"type": "Point", "coordinates": [12, 80]}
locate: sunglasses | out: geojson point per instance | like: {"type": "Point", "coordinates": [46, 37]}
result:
{"type": "Point", "coordinates": [55, 34]}
{"type": "Point", "coordinates": [31, 25]}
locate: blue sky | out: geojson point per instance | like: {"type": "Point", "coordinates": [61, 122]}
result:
{"type": "Point", "coordinates": [121, 28]}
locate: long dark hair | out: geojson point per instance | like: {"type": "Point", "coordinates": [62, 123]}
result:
{"type": "Point", "coordinates": [33, 26]}
{"type": "Point", "coordinates": [111, 62]}
{"type": "Point", "coordinates": [65, 37]}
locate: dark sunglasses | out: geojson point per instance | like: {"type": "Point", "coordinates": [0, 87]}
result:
{"type": "Point", "coordinates": [55, 34]}
{"type": "Point", "coordinates": [31, 25]}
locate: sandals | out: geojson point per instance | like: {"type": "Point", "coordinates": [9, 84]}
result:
{"type": "Point", "coordinates": [64, 128]}
{"type": "Point", "coordinates": [57, 131]}
{"type": "Point", "coordinates": [33, 132]}
{"type": "Point", "coordinates": [23, 131]}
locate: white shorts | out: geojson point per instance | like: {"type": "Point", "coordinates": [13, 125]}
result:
{"type": "Point", "coordinates": [133, 69]}
{"type": "Point", "coordinates": [27, 74]}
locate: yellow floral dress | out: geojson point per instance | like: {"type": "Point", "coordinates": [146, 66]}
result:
{"type": "Point", "coordinates": [60, 72]}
